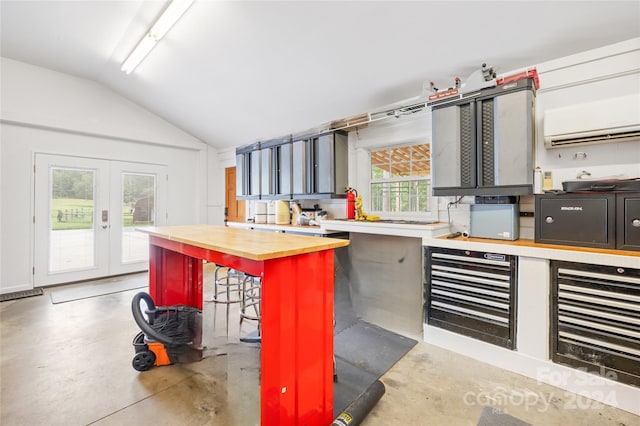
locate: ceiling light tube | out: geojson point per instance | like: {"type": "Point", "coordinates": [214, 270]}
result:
{"type": "Point", "coordinates": [163, 24]}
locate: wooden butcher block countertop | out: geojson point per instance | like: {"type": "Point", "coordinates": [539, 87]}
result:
{"type": "Point", "coordinates": [244, 242]}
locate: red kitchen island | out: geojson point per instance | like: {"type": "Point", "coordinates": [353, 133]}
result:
{"type": "Point", "coordinates": [296, 354]}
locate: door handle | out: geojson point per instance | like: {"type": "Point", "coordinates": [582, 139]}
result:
{"type": "Point", "coordinates": [105, 219]}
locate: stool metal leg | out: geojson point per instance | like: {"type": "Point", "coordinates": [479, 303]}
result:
{"type": "Point", "coordinates": [227, 290]}
{"type": "Point", "coordinates": [251, 299]}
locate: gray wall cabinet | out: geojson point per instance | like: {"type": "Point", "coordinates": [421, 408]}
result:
{"type": "Point", "coordinates": [248, 164]}
{"type": "Point", "coordinates": [320, 166]}
{"type": "Point", "coordinates": [482, 144]}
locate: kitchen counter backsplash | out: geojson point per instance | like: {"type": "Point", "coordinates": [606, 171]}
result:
{"type": "Point", "coordinates": [336, 209]}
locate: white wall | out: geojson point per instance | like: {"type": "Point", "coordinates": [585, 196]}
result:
{"type": "Point", "coordinates": [598, 74]}
{"type": "Point", "coordinates": [218, 161]}
{"type": "Point", "coordinates": [52, 112]}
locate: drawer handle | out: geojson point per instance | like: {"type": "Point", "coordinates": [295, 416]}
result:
{"type": "Point", "coordinates": [636, 223]}
{"type": "Point", "coordinates": [549, 219]}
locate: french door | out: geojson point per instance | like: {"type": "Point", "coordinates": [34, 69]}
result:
{"type": "Point", "coordinates": [86, 212]}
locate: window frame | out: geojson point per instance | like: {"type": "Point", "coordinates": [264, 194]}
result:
{"type": "Point", "coordinates": [430, 214]}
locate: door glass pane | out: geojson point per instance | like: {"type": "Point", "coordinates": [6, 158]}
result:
{"type": "Point", "coordinates": [138, 210]}
{"type": "Point", "coordinates": [71, 217]}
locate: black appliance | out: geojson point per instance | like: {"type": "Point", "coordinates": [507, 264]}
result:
{"type": "Point", "coordinates": [586, 220]}
{"type": "Point", "coordinates": [609, 220]}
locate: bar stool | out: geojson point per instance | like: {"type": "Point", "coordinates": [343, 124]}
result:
{"type": "Point", "coordinates": [250, 306]}
{"type": "Point", "coordinates": [227, 290]}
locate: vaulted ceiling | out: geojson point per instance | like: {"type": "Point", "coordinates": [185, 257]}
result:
{"type": "Point", "coordinates": [232, 73]}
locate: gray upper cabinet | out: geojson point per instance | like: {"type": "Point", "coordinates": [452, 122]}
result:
{"type": "Point", "coordinates": [320, 166]}
{"type": "Point", "coordinates": [311, 167]}
{"type": "Point", "coordinates": [298, 166]}
{"type": "Point", "coordinates": [248, 164]}
{"type": "Point", "coordinates": [276, 169]}
{"type": "Point", "coordinates": [483, 144]}
{"type": "Point", "coordinates": [255, 174]}
{"type": "Point", "coordinates": [266, 171]}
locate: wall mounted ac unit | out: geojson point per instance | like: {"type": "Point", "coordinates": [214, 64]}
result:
{"type": "Point", "coordinates": [609, 120]}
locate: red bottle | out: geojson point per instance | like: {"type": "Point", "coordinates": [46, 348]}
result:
{"type": "Point", "coordinates": [351, 203]}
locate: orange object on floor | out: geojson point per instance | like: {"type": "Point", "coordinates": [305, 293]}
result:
{"type": "Point", "coordinates": [162, 358]}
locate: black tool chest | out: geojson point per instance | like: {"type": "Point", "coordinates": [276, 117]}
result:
{"type": "Point", "coordinates": [595, 319]}
{"type": "Point", "coordinates": [472, 293]}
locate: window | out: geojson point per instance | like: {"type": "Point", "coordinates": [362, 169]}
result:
{"type": "Point", "coordinates": [401, 179]}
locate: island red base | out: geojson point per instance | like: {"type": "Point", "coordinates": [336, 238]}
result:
{"type": "Point", "coordinates": [296, 358]}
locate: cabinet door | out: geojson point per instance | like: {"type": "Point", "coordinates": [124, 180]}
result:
{"type": "Point", "coordinates": [284, 172]}
{"type": "Point", "coordinates": [298, 166]}
{"type": "Point", "coordinates": [240, 176]}
{"type": "Point", "coordinates": [254, 174]}
{"type": "Point", "coordinates": [266, 184]}
{"type": "Point", "coordinates": [454, 148]}
{"type": "Point", "coordinates": [628, 221]}
{"type": "Point", "coordinates": [323, 169]}
{"type": "Point", "coordinates": [505, 136]}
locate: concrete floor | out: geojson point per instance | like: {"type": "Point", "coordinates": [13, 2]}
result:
{"type": "Point", "coordinates": [70, 364]}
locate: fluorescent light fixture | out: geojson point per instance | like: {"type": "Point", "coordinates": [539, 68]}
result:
{"type": "Point", "coordinates": [169, 17]}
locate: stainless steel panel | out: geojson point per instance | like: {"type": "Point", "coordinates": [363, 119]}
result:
{"type": "Point", "coordinates": [298, 166]}
{"type": "Point", "coordinates": [341, 159]}
{"type": "Point", "coordinates": [386, 281]}
{"type": "Point", "coordinates": [445, 146]}
{"type": "Point", "coordinates": [266, 184]}
{"type": "Point", "coordinates": [285, 170]}
{"type": "Point", "coordinates": [240, 176]}
{"type": "Point", "coordinates": [255, 173]}
{"type": "Point", "coordinates": [513, 139]}
{"type": "Point", "coordinates": [324, 164]}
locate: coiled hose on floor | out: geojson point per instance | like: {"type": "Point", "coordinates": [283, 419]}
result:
{"type": "Point", "coordinates": [173, 325]}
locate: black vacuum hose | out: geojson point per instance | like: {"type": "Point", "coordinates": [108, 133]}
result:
{"type": "Point", "coordinates": [146, 328]}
